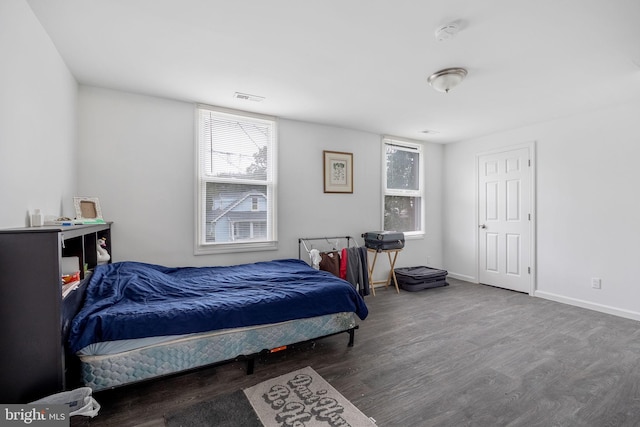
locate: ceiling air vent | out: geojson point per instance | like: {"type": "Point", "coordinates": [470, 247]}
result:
{"type": "Point", "coordinates": [247, 97]}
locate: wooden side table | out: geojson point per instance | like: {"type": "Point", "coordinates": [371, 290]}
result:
{"type": "Point", "coordinates": [392, 254]}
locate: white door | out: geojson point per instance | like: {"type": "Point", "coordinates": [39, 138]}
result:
{"type": "Point", "coordinates": [504, 215]}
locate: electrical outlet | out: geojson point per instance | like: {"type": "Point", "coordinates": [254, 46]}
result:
{"type": "Point", "coordinates": [596, 283]}
{"type": "Point", "coordinates": [428, 260]}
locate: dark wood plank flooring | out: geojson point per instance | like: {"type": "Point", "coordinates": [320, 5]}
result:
{"type": "Point", "coordinates": [462, 355]}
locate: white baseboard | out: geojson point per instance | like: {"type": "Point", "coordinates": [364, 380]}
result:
{"type": "Point", "coordinates": [463, 277]}
{"type": "Point", "coordinates": [627, 314]}
{"type": "Point", "coordinates": [634, 315]}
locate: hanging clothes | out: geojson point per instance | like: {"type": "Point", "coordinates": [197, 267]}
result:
{"type": "Point", "coordinates": [357, 270]}
{"type": "Point", "coordinates": [315, 257]}
{"type": "Point", "coordinates": [343, 264]}
{"type": "Point", "coordinates": [364, 266]}
{"type": "Point", "coordinates": [330, 262]}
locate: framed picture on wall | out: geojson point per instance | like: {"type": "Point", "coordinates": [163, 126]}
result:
{"type": "Point", "coordinates": [338, 172]}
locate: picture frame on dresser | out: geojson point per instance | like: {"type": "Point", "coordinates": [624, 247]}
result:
{"type": "Point", "coordinates": [87, 208]}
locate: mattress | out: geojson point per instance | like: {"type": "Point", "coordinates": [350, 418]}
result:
{"type": "Point", "coordinates": [130, 300]}
{"type": "Point", "coordinates": [102, 371]}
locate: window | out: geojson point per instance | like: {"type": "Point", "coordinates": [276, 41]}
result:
{"type": "Point", "coordinates": [402, 186]}
{"type": "Point", "coordinates": [236, 181]}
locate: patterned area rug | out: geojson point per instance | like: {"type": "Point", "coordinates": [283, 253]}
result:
{"type": "Point", "coordinates": [301, 398]}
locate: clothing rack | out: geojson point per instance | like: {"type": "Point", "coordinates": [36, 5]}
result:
{"type": "Point", "coordinates": [302, 242]}
{"type": "Point", "coordinates": [353, 268]}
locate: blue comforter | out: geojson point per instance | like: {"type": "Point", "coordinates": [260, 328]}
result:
{"type": "Point", "coordinates": [128, 300]}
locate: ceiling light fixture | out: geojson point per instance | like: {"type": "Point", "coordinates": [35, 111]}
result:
{"type": "Point", "coordinates": [447, 79]}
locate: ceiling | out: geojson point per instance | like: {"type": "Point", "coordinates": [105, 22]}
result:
{"type": "Point", "coordinates": [360, 64]}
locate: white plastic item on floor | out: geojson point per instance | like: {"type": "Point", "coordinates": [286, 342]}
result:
{"type": "Point", "coordinates": [79, 401]}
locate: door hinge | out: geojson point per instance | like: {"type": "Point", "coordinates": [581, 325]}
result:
{"type": "Point", "coordinates": [529, 270]}
{"type": "Point", "coordinates": [529, 162]}
{"type": "Point", "coordinates": [529, 217]}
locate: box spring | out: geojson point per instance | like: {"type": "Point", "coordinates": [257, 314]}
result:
{"type": "Point", "coordinates": [192, 351]}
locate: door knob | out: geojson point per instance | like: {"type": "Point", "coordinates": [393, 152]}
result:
{"type": "Point", "coordinates": [483, 226]}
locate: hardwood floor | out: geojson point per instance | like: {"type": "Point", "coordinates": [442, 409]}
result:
{"type": "Point", "coordinates": [462, 355]}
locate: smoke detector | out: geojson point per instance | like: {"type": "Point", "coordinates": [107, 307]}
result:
{"type": "Point", "coordinates": [447, 31]}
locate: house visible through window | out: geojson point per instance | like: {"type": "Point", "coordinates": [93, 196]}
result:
{"type": "Point", "coordinates": [236, 185]}
{"type": "Point", "coordinates": [403, 186]}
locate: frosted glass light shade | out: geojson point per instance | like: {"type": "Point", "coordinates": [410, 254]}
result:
{"type": "Point", "coordinates": [447, 79]}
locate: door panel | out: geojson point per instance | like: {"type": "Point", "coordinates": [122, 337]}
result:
{"type": "Point", "coordinates": [504, 194]}
{"type": "Point", "coordinates": [491, 258]}
{"type": "Point", "coordinates": [492, 200]}
{"type": "Point", "coordinates": [513, 200]}
{"type": "Point", "coordinates": [513, 254]}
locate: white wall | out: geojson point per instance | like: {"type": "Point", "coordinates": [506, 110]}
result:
{"type": "Point", "coordinates": [37, 120]}
{"type": "Point", "coordinates": [137, 156]}
{"type": "Point", "coordinates": [587, 207]}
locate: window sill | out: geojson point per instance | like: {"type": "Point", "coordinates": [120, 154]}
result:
{"type": "Point", "coordinates": [226, 248]}
{"type": "Point", "coordinates": [414, 236]}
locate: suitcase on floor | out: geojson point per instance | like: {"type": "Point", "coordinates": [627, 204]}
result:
{"type": "Point", "coordinates": [383, 240]}
{"type": "Point", "coordinates": [418, 278]}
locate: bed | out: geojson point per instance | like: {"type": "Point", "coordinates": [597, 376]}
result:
{"type": "Point", "coordinates": [141, 321]}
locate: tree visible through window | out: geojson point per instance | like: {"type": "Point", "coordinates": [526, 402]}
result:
{"type": "Point", "coordinates": [403, 198]}
{"type": "Point", "coordinates": [236, 179]}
